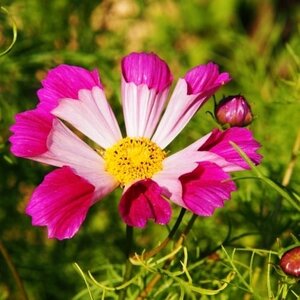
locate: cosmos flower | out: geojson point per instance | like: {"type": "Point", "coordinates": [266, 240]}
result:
{"type": "Point", "coordinates": [72, 98]}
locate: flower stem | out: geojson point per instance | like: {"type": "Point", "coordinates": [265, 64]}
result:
{"type": "Point", "coordinates": [165, 242]}
{"type": "Point", "coordinates": [129, 240]}
{"type": "Point", "coordinates": [128, 265]}
{"type": "Point", "coordinates": [15, 274]}
{"type": "Point", "coordinates": [146, 255]}
{"type": "Point", "coordinates": [14, 28]}
{"type": "Point", "coordinates": [290, 168]}
{"type": "Point", "coordinates": [190, 224]}
{"type": "Point", "coordinates": [155, 279]}
{"type": "Point", "coordinates": [292, 199]}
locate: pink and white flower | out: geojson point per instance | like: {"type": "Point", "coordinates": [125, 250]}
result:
{"type": "Point", "coordinates": [195, 178]}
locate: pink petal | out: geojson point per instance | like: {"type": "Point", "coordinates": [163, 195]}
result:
{"type": "Point", "coordinates": [30, 133]}
{"type": "Point", "coordinates": [178, 113]}
{"type": "Point", "coordinates": [218, 143]}
{"type": "Point", "coordinates": [190, 93]}
{"type": "Point", "coordinates": [206, 188]}
{"type": "Point", "coordinates": [66, 149]}
{"type": "Point", "coordinates": [92, 115]}
{"type": "Point", "coordinates": [65, 81]}
{"type": "Point", "coordinates": [205, 80]}
{"type": "Point", "coordinates": [197, 144]}
{"type": "Point", "coordinates": [61, 203]}
{"type": "Point", "coordinates": [146, 68]}
{"type": "Point", "coordinates": [174, 166]}
{"type": "Point", "coordinates": [145, 85]}
{"type": "Point", "coordinates": [142, 108]}
{"type": "Point", "coordinates": [143, 201]}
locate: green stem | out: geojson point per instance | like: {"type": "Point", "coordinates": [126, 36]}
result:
{"type": "Point", "coordinates": [177, 223]}
{"type": "Point", "coordinates": [129, 240]}
{"type": "Point", "coordinates": [190, 224]}
{"type": "Point", "coordinates": [282, 191]}
{"type": "Point", "coordinates": [128, 265]}
{"type": "Point", "coordinates": [165, 242]}
{"type": "Point", "coordinates": [14, 27]}
{"type": "Point", "coordinates": [14, 272]}
{"type": "Point", "coordinates": [155, 279]}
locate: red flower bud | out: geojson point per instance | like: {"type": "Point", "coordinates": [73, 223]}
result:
{"type": "Point", "coordinates": [290, 262]}
{"type": "Point", "coordinates": [234, 111]}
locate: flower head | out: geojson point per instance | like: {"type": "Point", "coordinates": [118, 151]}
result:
{"type": "Point", "coordinates": [234, 111]}
{"type": "Point", "coordinates": [195, 178]}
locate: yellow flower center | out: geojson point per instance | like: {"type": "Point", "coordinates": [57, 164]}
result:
{"type": "Point", "coordinates": [133, 159]}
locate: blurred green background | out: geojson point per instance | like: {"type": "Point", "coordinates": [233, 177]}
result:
{"type": "Point", "coordinates": [256, 41]}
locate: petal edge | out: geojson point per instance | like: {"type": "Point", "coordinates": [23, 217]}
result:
{"type": "Point", "coordinates": [143, 201]}
{"type": "Point", "coordinates": [206, 188]}
{"type": "Point", "coordinates": [61, 203]}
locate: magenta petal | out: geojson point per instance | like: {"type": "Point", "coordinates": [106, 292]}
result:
{"type": "Point", "coordinates": [65, 81]}
{"type": "Point", "coordinates": [146, 68]}
{"type": "Point", "coordinates": [143, 201]}
{"type": "Point", "coordinates": [61, 203]}
{"type": "Point", "coordinates": [218, 143]}
{"type": "Point", "coordinates": [205, 79]}
{"type": "Point", "coordinates": [30, 133]}
{"type": "Point", "coordinates": [206, 188]}
{"type": "Point", "coordinates": [190, 93]}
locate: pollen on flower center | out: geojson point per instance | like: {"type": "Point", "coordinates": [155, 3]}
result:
{"type": "Point", "coordinates": [133, 159]}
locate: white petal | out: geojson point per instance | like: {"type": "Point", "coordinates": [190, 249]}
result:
{"type": "Point", "coordinates": [142, 108]}
{"type": "Point", "coordinates": [66, 149]}
{"type": "Point", "coordinates": [179, 111]}
{"type": "Point", "coordinates": [92, 115]}
{"type": "Point", "coordinates": [173, 167]}
{"type": "Point", "coordinates": [182, 162]}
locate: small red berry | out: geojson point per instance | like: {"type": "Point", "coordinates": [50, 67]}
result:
{"type": "Point", "coordinates": [290, 262]}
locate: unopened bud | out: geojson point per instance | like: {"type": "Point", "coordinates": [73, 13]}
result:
{"type": "Point", "coordinates": [234, 111]}
{"type": "Point", "coordinates": [290, 262]}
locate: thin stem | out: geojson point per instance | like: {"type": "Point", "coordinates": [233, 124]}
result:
{"type": "Point", "coordinates": [166, 241]}
{"type": "Point", "coordinates": [155, 279]}
{"type": "Point", "coordinates": [177, 223]}
{"type": "Point", "coordinates": [281, 190]}
{"type": "Point", "coordinates": [227, 242]}
{"type": "Point", "coordinates": [182, 238]}
{"type": "Point", "coordinates": [190, 224]}
{"type": "Point", "coordinates": [290, 168]}
{"type": "Point", "coordinates": [129, 240]}
{"type": "Point", "coordinates": [14, 28]}
{"type": "Point", "coordinates": [14, 272]}
{"type": "Point", "coordinates": [128, 265]}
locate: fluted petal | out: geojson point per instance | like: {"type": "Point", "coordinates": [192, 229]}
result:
{"type": "Point", "coordinates": [143, 201]}
{"type": "Point", "coordinates": [219, 143]}
{"type": "Point", "coordinates": [61, 203]}
{"type": "Point", "coordinates": [145, 85]}
{"type": "Point", "coordinates": [142, 108]}
{"type": "Point", "coordinates": [65, 81]}
{"type": "Point", "coordinates": [205, 79]}
{"type": "Point", "coordinates": [30, 133]}
{"type": "Point", "coordinates": [174, 166]}
{"type": "Point", "coordinates": [190, 93]}
{"type": "Point", "coordinates": [66, 149]}
{"type": "Point", "coordinates": [92, 115]}
{"type": "Point", "coordinates": [206, 188]}
{"type": "Point", "coordinates": [148, 69]}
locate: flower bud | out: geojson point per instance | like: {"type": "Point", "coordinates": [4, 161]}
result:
{"type": "Point", "coordinates": [290, 262]}
{"type": "Point", "coordinates": [234, 111]}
